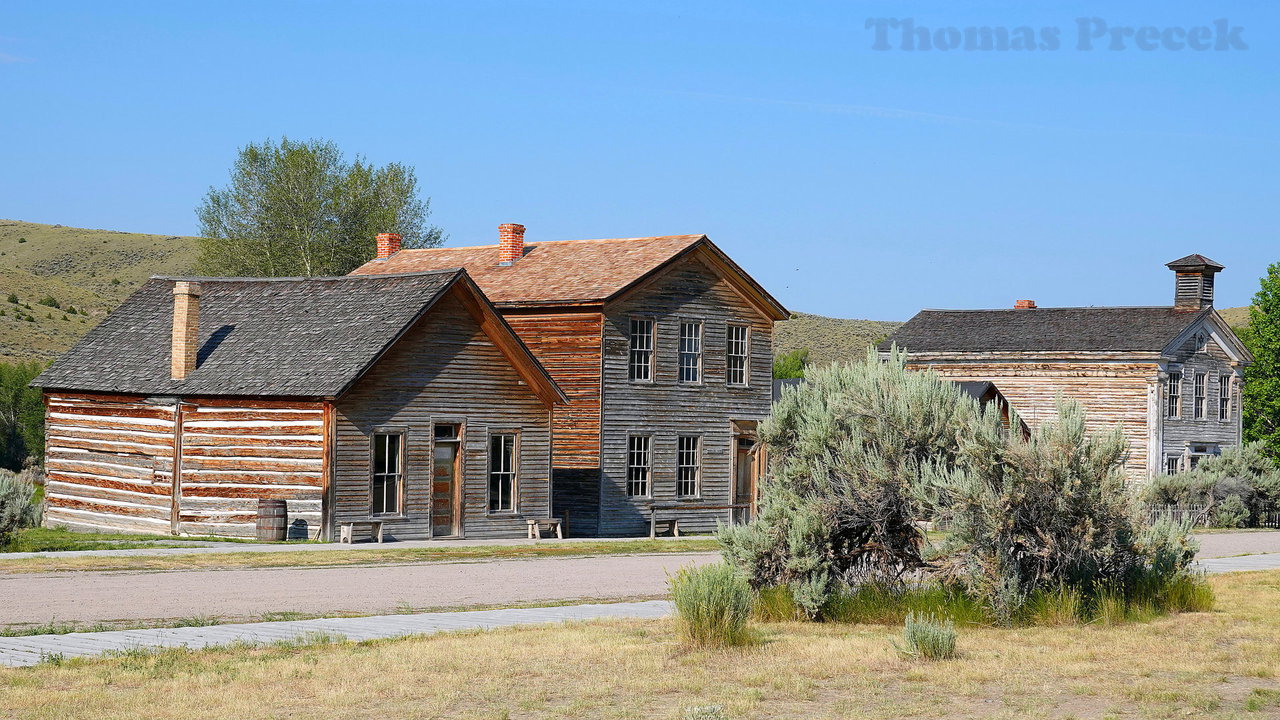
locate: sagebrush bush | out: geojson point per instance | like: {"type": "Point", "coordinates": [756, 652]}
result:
{"type": "Point", "coordinates": [1241, 477]}
{"type": "Point", "coordinates": [713, 604]}
{"type": "Point", "coordinates": [16, 508]}
{"type": "Point", "coordinates": [846, 449]}
{"type": "Point", "coordinates": [926, 636]}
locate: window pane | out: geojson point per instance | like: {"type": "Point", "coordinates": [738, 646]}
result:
{"type": "Point", "coordinates": [688, 463]}
{"type": "Point", "coordinates": [1200, 396]}
{"type": "Point", "coordinates": [387, 474]}
{"type": "Point", "coordinates": [690, 351]}
{"type": "Point", "coordinates": [1224, 397]}
{"type": "Point", "coordinates": [502, 475]}
{"type": "Point", "coordinates": [640, 361]}
{"type": "Point", "coordinates": [1175, 394]}
{"type": "Point", "coordinates": [736, 351]}
{"type": "Point", "coordinates": [638, 465]}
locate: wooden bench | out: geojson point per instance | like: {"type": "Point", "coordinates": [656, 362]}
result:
{"type": "Point", "coordinates": [345, 530]}
{"type": "Point", "coordinates": [535, 527]}
{"type": "Point", "coordinates": [675, 521]}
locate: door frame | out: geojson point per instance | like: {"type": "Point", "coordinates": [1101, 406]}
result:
{"type": "Point", "coordinates": [455, 492]}
{"type": "Point", "coordinates": [746, 430]}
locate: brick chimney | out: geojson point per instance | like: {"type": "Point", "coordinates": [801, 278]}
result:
{"type": "Point", "coordinates": [1194, 286]}
{"type": "Point", "coordinates": [510, 243]}
{"type": "Point", "coordinates": [388, 245]}
{"type": "Point", "coordinates": [1025, 305]}
{"type": "Point", "coordinates": [186, 328]}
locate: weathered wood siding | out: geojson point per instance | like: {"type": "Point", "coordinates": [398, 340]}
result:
{"type": "Point", "coordinates": [1177, 434]}
{"type": "Point", "coordinates": [444, 370]}
{"type": "Point", "coordinates": [665, 408]}
{"type": "Point", "coordinates": [110, 463]}
{"type": "Point", "coordinates": [1111, 392]}
{"type": "Point", "coordinates": [568, 346]}
{"type": "Point", "coordinates": [235, 452]}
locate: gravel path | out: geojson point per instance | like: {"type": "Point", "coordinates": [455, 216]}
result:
{"type": "Point", "coordinates": [98, 596]}
{"type": "Point", "coordinates": [1227, 544]}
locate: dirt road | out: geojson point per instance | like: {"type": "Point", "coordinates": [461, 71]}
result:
{"type": "Point", "coordinates": [99, 596]}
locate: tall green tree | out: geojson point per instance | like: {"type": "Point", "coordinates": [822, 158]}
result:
{"type": "Point", "coordinates": [301, 208]}
{"type": "Point", "coordinates": [21, 415]}
{"type": "Point", "coordinates": [1262, 379]}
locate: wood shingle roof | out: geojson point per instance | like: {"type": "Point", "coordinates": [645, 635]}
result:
{"type": "Point", "coordinates": [295, 337]}
{"type": "Point", "coordinates": [1089, 329]}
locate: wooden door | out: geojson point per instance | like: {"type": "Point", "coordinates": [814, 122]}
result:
{"type": "Point", "coordinates": [445, 505]}
{"type": "Point", "coordinates": [744, 480]}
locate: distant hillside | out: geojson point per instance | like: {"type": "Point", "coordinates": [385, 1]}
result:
{"type": "Point", "coordinates": [91, 271]}
{"type": "Point", "coordinates": [1236, 316]}
{"type": "Point", "coordinates": [829, 339]}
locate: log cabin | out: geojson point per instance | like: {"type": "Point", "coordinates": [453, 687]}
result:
{"type": "Point", "coordinates": [1170, 376]}
{"type": "Point", "coordinates": [402, 399]}
{"type": "Point", "coordinates": [663, 346]}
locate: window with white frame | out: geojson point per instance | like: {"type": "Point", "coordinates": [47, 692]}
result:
{"type": "Point", "coordinates": [639, 459]}
{"type": "Point", "coordinates": [388, 473]}
{"type": "Point", "coordinates": [640, 359]}
{"type": "Point", "coordinates": [737, 355]}
{"type": "Point", "coordinates": [688, 465]}
{"type": "Point", "coordinates": [690, 351]}
{"type": "Point", "coordinates": [1200, 397]}
{"type": "Point", "coordinates": [1224, 397]}
{"type": "Point", "coordinates": [502, 472]}
{"type": "Point", "coordinates": [1174, 394]}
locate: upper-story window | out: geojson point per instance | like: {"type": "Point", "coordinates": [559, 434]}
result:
{"type": "Point", "coordinates": [690, 351]}
{"type": "Point", "coordinates": [1224, 397]}
{"type": "Point", "coordinates": [1201, 397]}
{"type": "Point", "coordinates": [737, 355]}
{"type": "Point", "coordinates": [640, 358]}
{"type": "Point", "coordinates": [1174, 408]}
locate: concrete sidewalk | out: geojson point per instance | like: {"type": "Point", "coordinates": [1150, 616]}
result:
{"type": "Point", "coordinates": [32, 649]}
{"type": "Point", "coordinates": [1262, 561]}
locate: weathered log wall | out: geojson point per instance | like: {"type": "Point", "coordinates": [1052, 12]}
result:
{"type": "Point", "coordinates": [111, 465]}
{"type": "Point", "coordinates": [237, 451]}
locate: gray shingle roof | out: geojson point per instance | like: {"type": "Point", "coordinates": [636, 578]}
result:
{"type": "Point", "coordinates": [1102, 329]}
{"type": "Point", "coordinates": [1194, 260]}
{"type": "Point", "coordinates": [301, 337]}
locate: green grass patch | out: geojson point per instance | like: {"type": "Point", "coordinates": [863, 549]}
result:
{"type": "Point", "coordinates": [43, 539]}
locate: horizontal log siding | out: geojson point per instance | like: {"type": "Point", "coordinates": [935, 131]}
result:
{"type": "Point", "coordinates": [568, 346]}
{"type": "Point", "coordinates": [1111, 393]}
{"type": "Point", "coordinates": [443, 370]}
{"type": "Point", "coordinates": [110, 463]}
{"type": "Point", "coordinates": [665, 408]}
{"type": "Point", "coordinates": [235, 452]}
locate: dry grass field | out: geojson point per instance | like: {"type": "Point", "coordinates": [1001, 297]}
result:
{"type": "Point", "coordinates": [1221, 664]}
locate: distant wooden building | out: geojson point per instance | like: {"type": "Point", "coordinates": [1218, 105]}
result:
{"type": "Point", "coordinates": [404, 399]}
{"type": "Point", "coordinates": [1170, 375]}
{"type": "Point", "coordinates": [663, 346]}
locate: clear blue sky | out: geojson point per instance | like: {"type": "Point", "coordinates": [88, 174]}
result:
{"type": "Point", "coordinates": [850, 181]}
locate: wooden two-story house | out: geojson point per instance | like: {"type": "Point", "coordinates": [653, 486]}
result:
{"type": "Point", "coordinates": [401, 399]}
{"type": "Point", "coordinates": [663, 346]}
{"type": "Point", "coordinates": [1169, 375]}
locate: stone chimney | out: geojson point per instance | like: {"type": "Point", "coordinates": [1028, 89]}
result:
{"type": "Point", "coordinates": [186, 328]}
{"type": "Point", "coordinates": [388, 245]}
{"type": "Point", "coordinates": [1025, 305]}
{"type": "Point", "coordinates": [510, 243]}
{"type": "Point", "coordinates": [1194, 286]}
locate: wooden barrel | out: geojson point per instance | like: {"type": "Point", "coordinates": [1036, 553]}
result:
{"type": "Point", "coordinates": [273, 519]}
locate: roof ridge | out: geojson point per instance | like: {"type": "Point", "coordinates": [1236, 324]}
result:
{"type": "Point", "coordinates": [1042, 308]}
{"type": "Point", "coordinates": [314, 278]}
{"type": "Point", "coordinates": [532, 243]}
